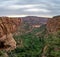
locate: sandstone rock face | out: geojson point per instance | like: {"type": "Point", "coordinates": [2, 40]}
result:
{"type": "Point", "coordinates": [7, 27]}
{"type": "Point", "coordinates": [53, 24]}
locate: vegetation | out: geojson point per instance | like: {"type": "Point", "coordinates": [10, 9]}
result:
{"type": "Point", "coordinates": [53, 43]}
{"type": "Point", "coordinates": [36, 43]}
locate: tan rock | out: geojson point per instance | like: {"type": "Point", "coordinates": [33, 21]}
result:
{"type": "Point", "coordinates": [7, 27]}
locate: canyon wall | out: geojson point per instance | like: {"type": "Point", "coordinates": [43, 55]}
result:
{"type": "Point", "coordinates": [53, 24]}
{"type": "Point", "coordinates": [8, 26]}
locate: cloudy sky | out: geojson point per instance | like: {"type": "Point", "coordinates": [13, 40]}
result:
{"type": "Point", "coordinates": [45, 8]}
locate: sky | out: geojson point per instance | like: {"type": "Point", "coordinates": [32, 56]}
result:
{"type": "Point", "coordinates": [22, 8]}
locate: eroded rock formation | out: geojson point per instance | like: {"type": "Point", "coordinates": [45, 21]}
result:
{"type": "Point", "coordinates": [7, 27]}
{"type": "Point", "coordinates": [53, 24]}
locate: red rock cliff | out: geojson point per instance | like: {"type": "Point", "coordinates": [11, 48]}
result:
{"type": "Point", "coordinates": [53, 24]}
{"type": "Point", "coordinates": [7, 27]}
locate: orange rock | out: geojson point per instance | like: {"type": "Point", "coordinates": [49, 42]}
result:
{"type": "Point", "coordinates": [7, 27]}
{"type": "Point", "coordinates": [53, 24]}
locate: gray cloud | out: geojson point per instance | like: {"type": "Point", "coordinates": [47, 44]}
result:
{"type": "Point", "coordinates": [30, 7]}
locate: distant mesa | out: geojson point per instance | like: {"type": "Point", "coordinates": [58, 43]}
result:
{"type": "Point", "coordinates": [35, 20]}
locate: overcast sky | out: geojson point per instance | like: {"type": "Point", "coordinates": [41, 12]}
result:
{"type": "Point", "coordinates": [46, 8]}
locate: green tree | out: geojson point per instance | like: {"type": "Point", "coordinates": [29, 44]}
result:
{"type": "Point", "coordinates": [53, 45]}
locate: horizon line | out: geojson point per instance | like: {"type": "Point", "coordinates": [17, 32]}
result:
{"type": "Point", "coordinates": [26, 16]}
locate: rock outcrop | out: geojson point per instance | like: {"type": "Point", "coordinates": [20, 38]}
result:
{"type": "Point", "coordinates": [53, 24]}
{"type": "Point", "coordinates": [7, 27]}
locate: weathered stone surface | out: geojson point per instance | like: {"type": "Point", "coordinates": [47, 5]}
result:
{"type": "Point", "coordinates": [7, 27]}
{"type": "Point", "coordinates": [53, 24]}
